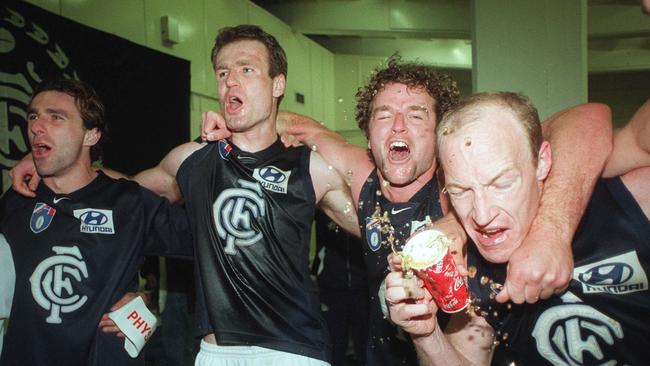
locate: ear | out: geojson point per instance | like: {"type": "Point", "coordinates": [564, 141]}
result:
{"type": "Point", "coordinates": [91, 137]}
{"type": "Point", "coordinates": [544, 161]}
{"type": "Point", "coordinates": [279, 83]}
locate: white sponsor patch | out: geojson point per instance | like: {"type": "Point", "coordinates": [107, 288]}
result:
{"type": "Point", "coordinates": [95, 221]}
{"type": "Point", "coordinates": [272, 178]}
{"type": "Point", "coordinates": [617, 275]}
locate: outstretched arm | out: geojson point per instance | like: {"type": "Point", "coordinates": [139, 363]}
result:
{"type": "Point", "coordinates": [162, 178]}
{"type": "Point", "coordinates": [333, 194]}
{"type": "Point", "coordinates": [581, 141]}
{"type": "Point", "coordinates": [352, 162]}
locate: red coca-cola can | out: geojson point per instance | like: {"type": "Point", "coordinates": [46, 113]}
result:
{"type": "Point", "coordinates": [427, 253]}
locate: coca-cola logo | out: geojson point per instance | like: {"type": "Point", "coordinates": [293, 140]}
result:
{"type": "Point", "coordinates": [458, 283]}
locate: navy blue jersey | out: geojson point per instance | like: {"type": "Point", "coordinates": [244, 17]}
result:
{"type": "Point", "coordinates": [602, 318]}
{"type": "Point", "coordinates": [251, 216]}
{"type": "Point", "coordinates": [75, 256]}
{"type": "Point", "coordinates": [388, 344]}
{"type": "Point", "coordinates": [339, 260]}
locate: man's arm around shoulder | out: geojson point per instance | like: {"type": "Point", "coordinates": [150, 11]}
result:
{"type": "Point", "coordinates": [580, 139]}
{"type": "Point", "coordinates": [352, 162]}
{"type": "Point", "coordinates": [162, 178]}
{"type": "Point", "coordinates": [333, 194]}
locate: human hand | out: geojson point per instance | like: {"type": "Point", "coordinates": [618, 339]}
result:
{"type": "Point", "coordinates": [107, 325]}
{"type": "Point", "coordinates": [289, 127]}
{"type": "Point", "coordinates": [540, 267]}
{"type": "Point", "coordinates": [410, 305]}
{"type": "Point", "coordinates": [290, 140]}
{"type": "Point", "coordinates": [213, 127]}
{"type": "Point", "coordinates": [24, 178]}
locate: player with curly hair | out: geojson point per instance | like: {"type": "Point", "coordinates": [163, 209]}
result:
{"type": "Point", "coordinates": [398, 109]}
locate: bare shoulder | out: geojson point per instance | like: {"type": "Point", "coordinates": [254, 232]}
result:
{"type": "Point", "coordinates": [173, 160]}
{"type": "Point", "coordinates": [162, 178]}
{"type": "Point", "coordinates": [586, 111]}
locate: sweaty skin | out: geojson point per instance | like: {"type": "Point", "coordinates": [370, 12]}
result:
{"type": "Point", "coordinates": [581, 141]}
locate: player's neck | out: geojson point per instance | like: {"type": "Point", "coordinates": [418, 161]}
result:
{"type": "Point", "coordinates": [70, 179]}
{"type": "Point", "coordinates": [257, 138]}
{"type": "Point", "coordinates": [403, 193]}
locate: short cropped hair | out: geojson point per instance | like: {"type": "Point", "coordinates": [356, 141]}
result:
{"type": "Point", "coordinates": [277, 57]}
{"type": "Point", "coordinates": [440, 86]}
{"type": "Point", "coordinates": [468, 110]}
{"type": "Point", "coordinates": [88, 103]}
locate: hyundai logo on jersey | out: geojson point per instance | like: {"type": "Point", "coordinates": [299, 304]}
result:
{"type": "Point", "coordinates": [272, 178]}
{"type": "Point", "coordinates": [607, 274]}
{"type": "Point", "coordinates": [95, 221]}
{"type": "Point", "coordinates": [616, 275]}
{"type": "Point", "coordinates": [93, 218]}
{"type": "Point", "coordinates": [224, 149]}
{"type": "Point", "coordinates": [41, 217]}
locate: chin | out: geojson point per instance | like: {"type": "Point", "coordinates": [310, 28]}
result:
{"type": "Point", "coordinates": [396, 178]}
{"type": "Point", "coordinates": [495, 254]}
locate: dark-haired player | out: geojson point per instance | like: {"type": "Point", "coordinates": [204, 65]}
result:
{"type": "Point", "coordinates": [77, 245]}
{"type": "Point", "coordinates": [251, 203]}
{"type": "Point", "coordinates": [398, 110]}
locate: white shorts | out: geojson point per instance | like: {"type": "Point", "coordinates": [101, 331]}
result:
{"type": "Point", "coordinates": [214, 355]}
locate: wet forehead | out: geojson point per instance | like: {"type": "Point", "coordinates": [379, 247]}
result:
{"type": "Point", "coordinates": [242, 52]}
{"type": "Point", "coordinates": [398, 95]}
{"type": "Point", "coordinates": [483, 149]}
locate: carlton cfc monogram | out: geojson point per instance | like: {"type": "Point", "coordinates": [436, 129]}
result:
{"type": "Point", "coordinates": [232, 212]}
{"type": "Point", "coordinates": [51, 282]}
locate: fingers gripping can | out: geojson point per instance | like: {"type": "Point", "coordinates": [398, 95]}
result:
{"type": "Point", "coordinates": [427, 252]}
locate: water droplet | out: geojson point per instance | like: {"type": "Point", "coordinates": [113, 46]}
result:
{"type": "Point", "coordinates": [471, 271]}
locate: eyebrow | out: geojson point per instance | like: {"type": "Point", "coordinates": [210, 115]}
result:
{"type": "Point", "coordinates": [382, 108]}
{"type": "Point", "coordinates": [244, 62]}
{"type": "Point", "coordinates": [385, 108]}
{"type": "Point", "coordinates": [48, 111]}
{"type": "Point", "coordinates": [500, 174]}
{"type": "Point", "coordinates": [418, 108]}
{"type": "Point", "coordinates": [496, 177]}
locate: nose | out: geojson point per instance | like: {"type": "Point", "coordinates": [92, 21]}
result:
{"type": "Point", "coordinates": [399, 124]}
{"type": "Point", "coordinates": [37, 125]}
{"type": "Point", "coordinates": [483, 212]}
{"type": "Point", "coordinates": [231, 79]}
